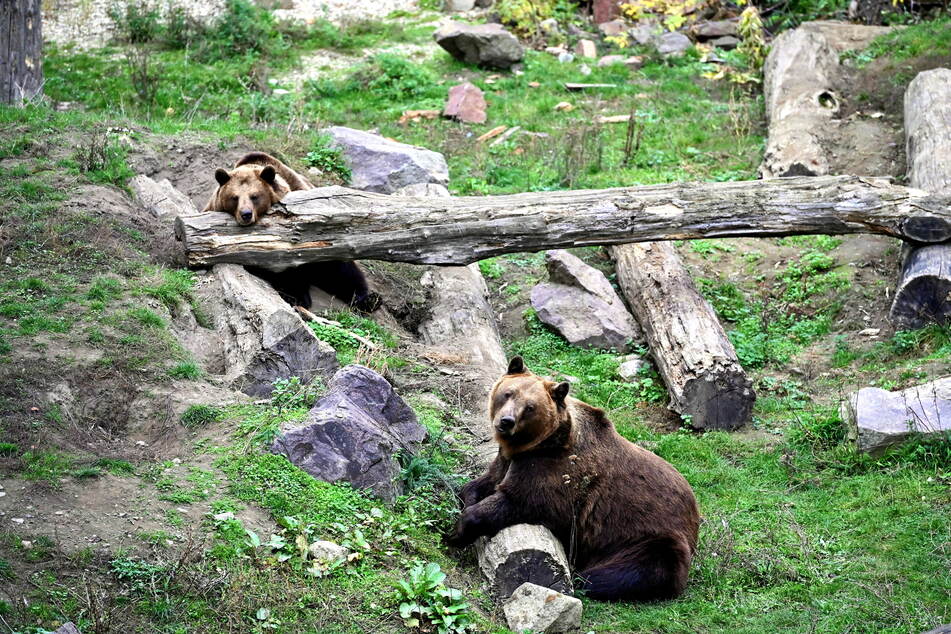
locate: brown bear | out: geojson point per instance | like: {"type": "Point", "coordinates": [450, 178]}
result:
{"type": "Point", "coordinates": [248, 192]}
{"type": "Point", "coordinates": [627, 518]}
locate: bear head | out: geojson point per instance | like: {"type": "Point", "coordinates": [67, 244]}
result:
{"type": "Point", "coordinates": [247, 192]}
{"type": "Point", "coordinates": [526, 409]}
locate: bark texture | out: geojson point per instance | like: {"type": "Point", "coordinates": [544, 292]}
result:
{"type": "Point", "coordinates": [335, 223]}
{"type": "Point", "coordinates": [691, 349]}
{"type": "Point", "coordinates": [923, 292]}
{"type": "Point", "coordinates": [799, 78]}
{"type": "Point", "coordinates": [21, 50]}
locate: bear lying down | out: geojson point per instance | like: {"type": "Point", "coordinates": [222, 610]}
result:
{"type": "Point", "coordinates": [627, 518]}
{"type": "Point", "coordinates": [247, 193]}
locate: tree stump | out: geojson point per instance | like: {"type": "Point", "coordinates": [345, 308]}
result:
{"type": "Point", "coordinates": [21, 51]}
{"type": "Point", "coordinates": [693, 354]}
{"type": "Point", "coordinates": [923, 292]}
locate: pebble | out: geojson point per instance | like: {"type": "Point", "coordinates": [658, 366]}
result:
{"type": "Point", "coordinates": [17, 520]}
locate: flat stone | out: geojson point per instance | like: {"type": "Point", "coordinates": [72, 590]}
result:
{"type": "Point", "coordinates": [716, 28]}
{"type": "Point", "coordinates": [673, 44]}
{"type": "Point", "coordinates": [381, 165]}
{"type": "Point", "coordinates": [634, 62]}
{"type": "Point", "coordinates": [456, 6]}
{"type": "Point", "coordinates": [586, 48]}
{"type": "Point", "coordinates": [644, 34]}
{"type": "Point", "coordinates": [67, 628]}
{"type": "Point", "coordinates": [535, 608]}
{"type": "Point", "coordinates": [631, 367]}
{"type": "Point", "coordinates": [328, 552]}
{"type": "Point", "coordinates": [727, 42]}
{"type": "Point", "coordinates": [877, 419]}
{"type": "Point", "coordinates": [354, 433]}
{"type": "Point", "coordinates": [466, 103]}
{"type": "Point", "coordinates": [612, 28]}
{"type": "Point", "coordinates": [608, 60]}
{"type": "Point", "coordinates": [488, 45]}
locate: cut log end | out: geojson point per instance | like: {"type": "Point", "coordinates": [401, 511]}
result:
{"type": "Point", "coordinates": [923, 294]}
{"type": "Point", "coordinates": [724, 403]}
{"type": "Point", "coordinates": [524, 553]}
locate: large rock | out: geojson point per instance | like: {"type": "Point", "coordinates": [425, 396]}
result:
{"type": "Point", "coordinates": [466, 103]}
{"type": "Point", "coordinates": [539, 609]}
{"type": "Point", "coordinates": [714, 29]}
{"type": "Point", "coordinates": [263, 337]}
{"type": "Point", "coordinates": [673, 44]}
{"type": "Point", "coordinates": [877, 419]}
{"type": "Point", "coordinates": [581, 304]}
{"type": "Point", "coordinates": [353, 434]}
{"type": "Point", "coordinates": [384, 166]}
{"type": "Point", "coordinates": [488, 45]}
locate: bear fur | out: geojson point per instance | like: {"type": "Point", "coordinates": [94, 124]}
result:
{"type": "Point", "coordinates": [627, 518]}
{"type": "Point", "coordinates": [248, 192]}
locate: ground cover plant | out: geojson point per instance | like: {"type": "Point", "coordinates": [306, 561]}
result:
{"type": "Point", "coordinates": [211, 532]}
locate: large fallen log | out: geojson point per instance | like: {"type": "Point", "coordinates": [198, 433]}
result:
{"type": "Point", "coordinates": [335, 223]}
{"type": "Point", "coordinates": [923, 293]}
{"type": "Point", "coordinates": [799, 78]}
{"type": "Point", "coordinates": [693, 354]}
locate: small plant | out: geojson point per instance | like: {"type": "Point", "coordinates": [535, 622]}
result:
{"type": "Point", "coordinates": [491, 269]}
{"type": "Point", "coordinates": [8, 449]}
{"type": "Point", "coordinates": [200, 415]}
{"type": "Point", "coordinates": [292, 393]}
{"type": "Point", "coordinates": [185, 370]}
{"type": "Point", "coordinates": [424, 599]}
{"type": "Point", "coordinates": [135, 22]}
{"type": "Point", "coordinates": [329, 159]}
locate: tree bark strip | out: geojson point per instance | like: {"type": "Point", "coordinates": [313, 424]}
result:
{"type": "Point", "coordinates": [335, 223]}
{"type": "Point", "coordinates": [691, 349]}
{"type": "Point", "coordinates": [21, 48]}
{"type": "Point", "coordinates": [923, 292]}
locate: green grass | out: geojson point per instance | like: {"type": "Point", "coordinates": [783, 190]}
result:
{"type": "Point", "coordinates": [931, 38]}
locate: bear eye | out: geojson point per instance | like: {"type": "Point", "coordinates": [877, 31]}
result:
{"type": "Point", "coordinates": [508, 394]}
{"type": "Point", "coordinates": [234, 199]}
{"type": "Point", "coordinates": [255, 198]}
{"type": "Point", "coordinates": [529, 408]}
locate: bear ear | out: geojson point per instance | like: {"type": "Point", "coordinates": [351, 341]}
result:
{"type": "Point", "coordinates": [517, 366]}
{"type": "Point", "coordinates": [268, 175]}
{"type": "Point", "coordinates": [222, 176]}
{"type": "Point", "coordinates": [560, 392]}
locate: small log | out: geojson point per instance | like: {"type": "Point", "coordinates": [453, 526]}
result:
{"type": "Point", "coordinates": [799, 79]}
{"type": "Point", "coordinates": [21, 50]}
{"type": "Point", "coordinates": [524, 553]}
{"type": "Point", "coordinates": [691, 349]}
{"type": "Point", "coordinates": [335, 223]}
{"type": "Point", "coordinates": [923, 292]}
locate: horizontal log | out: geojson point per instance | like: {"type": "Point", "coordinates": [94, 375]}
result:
{"type": "Point", "coordinates": [336, 223]}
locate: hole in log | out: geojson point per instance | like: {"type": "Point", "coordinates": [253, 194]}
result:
{"type": "Point", "coordinates": [828, 100]}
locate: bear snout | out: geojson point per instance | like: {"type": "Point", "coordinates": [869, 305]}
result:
{"type": "Point", "coordinates": [246, 217]}
{"type": "Point", "coordinates": [506, 424]}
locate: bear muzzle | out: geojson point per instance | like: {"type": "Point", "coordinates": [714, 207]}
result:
{"type": "Point", "coordinates": [246, 217]}
{"type": "Point", "coordinates": [505, 425]}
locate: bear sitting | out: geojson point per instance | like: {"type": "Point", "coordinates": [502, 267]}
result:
{"type": "Point", "coordinates": [627, 518]}
{"type": "Point", "coordinates": [248, 192]}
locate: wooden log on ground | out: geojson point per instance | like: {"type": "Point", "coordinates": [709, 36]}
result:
{"type": "Point", "coordinates": [524, 553]}
{"type": "Point", "coordinates": [462, 325]}
{"type": "Point", "coordinates": [21, 50]}
{"type": "Point", "coordinates": [693, 354]}
{"type": "Point", "coordinates": [923, 292]}
{"type": "Point", "coordinates": [799, 79]}
{"type": "Point", "coordinates": [335, 223]}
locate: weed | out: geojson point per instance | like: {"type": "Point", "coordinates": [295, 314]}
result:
{"type": "Point", "coordinates": [176, 286]}
{"type": "Point", "coordinates": [425, 600]}
{"type": "Point", "coordinates": [103, 160]}
{"type": "Point", "coordinates": [9, 449]}
{"type": "Point", "coordinates": [146, 317]}
{"type": "Point", "coordinates": [292, 393]}
{"type": "Point", "coordinates": [186, 370]}
{"type": "Point", "coordinates": [104, 289]}
{"type": "Point", "coordinates": [329, 159]}
{"type": "Point", "coordinates": [115, 466]}
{"type": "Point", "coordinates": [200, 416]}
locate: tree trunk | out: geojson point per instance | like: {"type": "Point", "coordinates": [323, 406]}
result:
{"type": "Point", "coordinates": [799, 78]}
{"type": "Point", "coordinates": [691, 349]}
{"type": "Point", "coordinates": [923, 293]}
{"type": "Point", "coordinates": [21, 50]}
{"type": "Point", "coordinates": [335, 223]}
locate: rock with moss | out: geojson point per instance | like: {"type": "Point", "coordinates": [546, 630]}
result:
{"type": "Point", "coordinates": [354, 434]}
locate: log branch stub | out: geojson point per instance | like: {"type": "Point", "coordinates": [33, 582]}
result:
{"type": "Point", "coordinates": [693, 354]}
{"type": "Point", "coordinates": [923, 292]}
{"type": "Point", "coordinates": [336, 223]}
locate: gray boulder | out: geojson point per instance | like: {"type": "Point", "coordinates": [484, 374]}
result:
{"type": "Point", "coordinates": [455, 6]}
{"type": "Point", "coordinates": [727, 42]}
{"type": "Point", "coordinates": [384, 166]}
{"type": "Point", "coordinates": [354, 433]}
{"type": "Point", "coordinates": [716, 28]}
{"type": "Point", "coordinates": [538, 609]}
{"type": "Point", "coordinates": [877, 419]}
{"type": "Point", "coordinates": [644, 34]}
{"type": "Point", "coordinates": [580, 303]}
{"type": "Point", "coordinates": [673, 44]}
{"type": "Point", "coordinates": [488, 45]}
{"type": "Point", "coordinates": [262, 336]}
